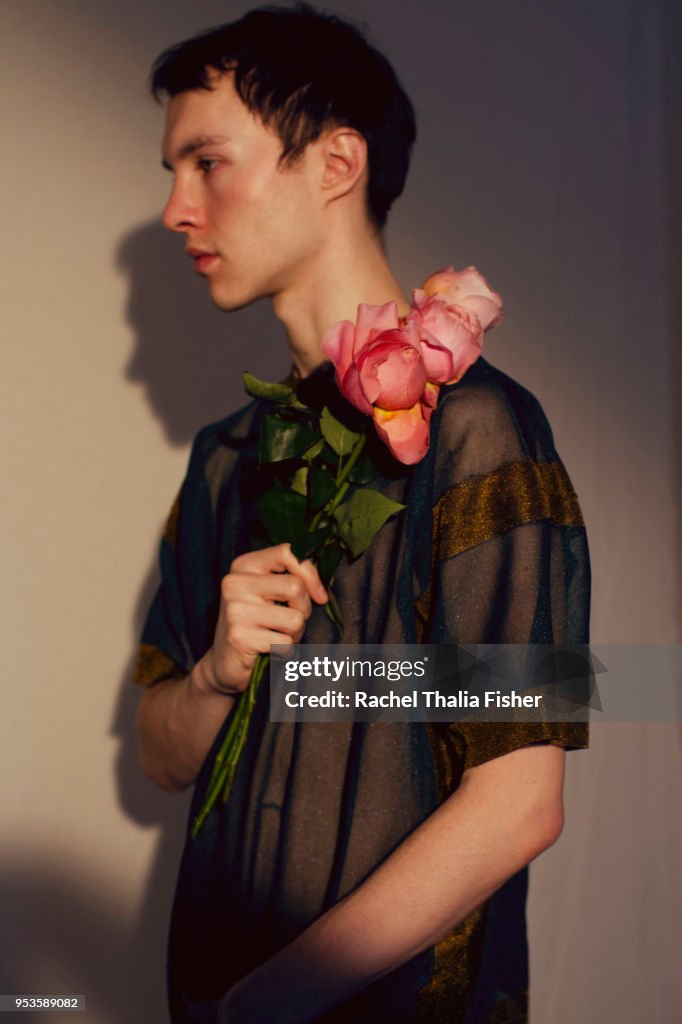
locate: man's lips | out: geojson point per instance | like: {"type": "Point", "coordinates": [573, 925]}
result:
{"type": "Point", "coordinates": [201, 257]}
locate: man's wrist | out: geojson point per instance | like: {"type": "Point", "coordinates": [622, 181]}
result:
{"type": "Point", "coordinates": [203, 679]}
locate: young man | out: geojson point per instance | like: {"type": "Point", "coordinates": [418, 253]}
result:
{"type": "Point", "coordinates": [358, 872]}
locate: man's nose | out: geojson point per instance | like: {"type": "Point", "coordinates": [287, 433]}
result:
{"type": "Point", "coordinates": [181, 210]}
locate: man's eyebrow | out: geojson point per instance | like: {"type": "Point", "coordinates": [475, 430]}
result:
{"type": "Point", "coordinates": [191, 145]}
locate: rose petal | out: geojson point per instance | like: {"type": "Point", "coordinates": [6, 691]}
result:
{"type": "Point", "coordinates": [430, 399]}
{"type": "Point", "coordinates": [487, 310]}
{"type": "Point", "coordinates": [405, 431]}
{"type": "Point", "coordinates": [455, 329]}
{"type": "Point", "coordinates": [337, 345]}
{"type": "Point", "coordinates": [351, 388]}
{"type": "Point", "coordinates": [438, 359]}
{"type": "Point", "coordinates": [392, 369]}
{"type": "Point", "coordinates": [467, 288]}
{"type": "Point", "coordinates": [401, 377]}
{"type": "Point", "coordinates": [419, 299]}
{"type": "Point", "coordinates": [372, 321]}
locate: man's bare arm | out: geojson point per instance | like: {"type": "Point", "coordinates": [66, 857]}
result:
{"type": "Point", "coordinates": [503, 814]}
{"type": "Point", "coordinates": [265, 599]}
{"type": "Point", "coordinates": [177, 721]}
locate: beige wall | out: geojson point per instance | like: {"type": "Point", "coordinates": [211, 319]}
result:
{"type": "Point", "coordinates": [113, 359]}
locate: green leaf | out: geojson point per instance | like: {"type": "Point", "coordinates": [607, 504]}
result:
{"type": "Point", "coordinates": [283, 439]}
{"type": "Point", "coordinates": [328, 560]}
{"type": "Point", "coordinates": [321, 488]}
{"type": "Point", "coordinates": [340, 438]}
{"type": "Point", "coordinates": [328, 457]}
{"type": "Point", "coordinates": [315, 449]}
{"type": "Point", "coordinates": [265, 389]}
{"type": "Point", "coordinates": [309, 543]}
{"type": "Point", "coordinates": [281, 394]}
{"type": "Point", "coordinates": [363, 471]}
{"type": "Point", "coordinates": [362, 516]}
{"type": "Point", "coordinates": [283, 514]}
{"type": "Point", "coordinates": [299, 481]}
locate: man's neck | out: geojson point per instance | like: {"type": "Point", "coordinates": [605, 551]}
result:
{"type": "Point", "coordinates": [330, 290]}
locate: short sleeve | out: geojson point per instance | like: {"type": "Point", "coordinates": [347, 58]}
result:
{"type": "Point", "coordinates": [510, 562]}
{"type": "Point", "coordinates": [167, 645]}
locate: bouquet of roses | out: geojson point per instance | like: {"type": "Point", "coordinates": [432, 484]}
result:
{"type": "Point", "coordinates": [391, 369]}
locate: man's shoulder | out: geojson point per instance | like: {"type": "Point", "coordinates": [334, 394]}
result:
{"type": "Point", "coordinates": [488, 408]}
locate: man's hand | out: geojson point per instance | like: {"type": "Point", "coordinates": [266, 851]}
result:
{"type": "Point", "coordinates": [266, 598]}
{"type": "Point", "coordinates": [179, 719]}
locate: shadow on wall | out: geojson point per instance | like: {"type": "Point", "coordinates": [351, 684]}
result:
{"type": "Point", "coordinates": [65, 933]}
{"type": "Point", "coordinates": [189, 357]}
{"type": "Point", "coordinates": [188, 354]}
{"type": "Point", "coordinates": [143, 960]}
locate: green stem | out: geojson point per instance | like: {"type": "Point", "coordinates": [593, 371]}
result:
{"type": "Point", "coordinates": [341, 482]}
{"type": "Point", "coordinates": [354, 456]}
{"type": "Point", "coordinates": [249, 703]}
{"type": "Point", "coordinates": [232, 744]}
{"type": "Point", "coordinates": [220, 756]}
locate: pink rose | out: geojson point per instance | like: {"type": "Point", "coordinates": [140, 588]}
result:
{"type": "Point", "coordinates": [381, 370]}
{"type": "Point", "coordinates": [345, 339]}
{"type": "Point", "coordinates": [391, 368]}
{"type": "Point", "coordinates": [469, 289]}
{"type": "Point", "coordinates": [452, 310]}
{"type": "Point", "coordinates": [406, 431]}
{"type": "Point", "coordinates": [446, 328]}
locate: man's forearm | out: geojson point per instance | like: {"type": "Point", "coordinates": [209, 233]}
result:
{"type": "Point", "coordinates": [178, 720]}
{"type": "Point", "coordinates": [503, 815]}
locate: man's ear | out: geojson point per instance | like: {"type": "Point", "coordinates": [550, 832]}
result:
{"type": "Point", "coordinates": [343, 151]}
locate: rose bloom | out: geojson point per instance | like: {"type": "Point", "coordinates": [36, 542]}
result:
{"type": "Point", "coordinates": [452, 311]}
{"type": "Point", "coordinates": [381, 370]}
{"type": "Point", "coordinates": [391, 368]}
{"type": "Point", "coordinates": [469, 290]}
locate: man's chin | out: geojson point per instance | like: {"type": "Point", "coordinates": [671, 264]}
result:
{"type": "Point", "coordinates": [227, 301]}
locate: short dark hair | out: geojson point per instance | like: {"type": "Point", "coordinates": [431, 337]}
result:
{"type": "Point", "coordinates": [302, 71]}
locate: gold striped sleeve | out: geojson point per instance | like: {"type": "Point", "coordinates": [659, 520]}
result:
{"type": "Point", "coordinates": [486, 506]}
{"type": "Point", "coordinates": [153, 665]}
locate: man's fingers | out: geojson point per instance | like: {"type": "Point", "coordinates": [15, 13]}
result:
{"type": "Point", "coordinates": [282, 618]}
{"type": "Point", "coordinates": [280, 559]}
{"type": "Point", "coordinates": [247, 588]}
{"type": "Point", "coordinates": [316, 587]}
{"type": "Point", "coordinates": [263, 638]}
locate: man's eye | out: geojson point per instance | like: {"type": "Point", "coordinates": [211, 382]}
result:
{"type": "Point", "coordinates": [206, 163]}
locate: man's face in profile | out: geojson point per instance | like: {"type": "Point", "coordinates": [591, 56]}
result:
{"type": "Point", "coordinates": [258, 223]}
